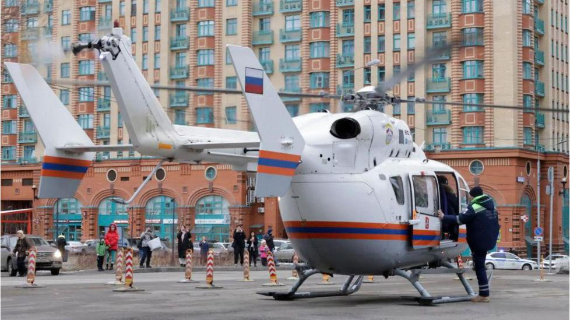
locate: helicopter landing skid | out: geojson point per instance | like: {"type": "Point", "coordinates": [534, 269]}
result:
{"type": "Point", "coordinates": [349, 287]}
{"type": "Point", "coordinates": [426, 299]}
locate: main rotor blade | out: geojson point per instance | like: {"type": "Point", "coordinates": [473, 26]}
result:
{"type": "Point", "coordinates": [430, 56]}
{"type": "Point", "coordinates": [324, 95]}
{"type": "Point", "coordinates": [498, 106]}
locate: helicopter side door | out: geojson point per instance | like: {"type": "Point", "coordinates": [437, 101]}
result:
{"type": "Point", "coordinates": [426, 226]}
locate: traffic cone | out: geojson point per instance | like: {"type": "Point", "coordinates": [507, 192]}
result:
{"type": "Point", "coordinates": [119, 269]}
{"type": "Point", "coordinates": [246, 267]}
{"type": "Point", "coordinates": [369, 279]}
{"type": "Point", "coordinates": [129, 273]}
{"type": "Point", "coordinates": [188, 270]}
{"type": "Point", "coordinates": [294, 273]}
{"type": "Point", "coordinates": [209, 273]}
{"type": "Point", "coordinates": [272, 272]}
{"type": "Point", "coordinates": [326, 280]}
{"type": "Point", "coordinates": [31, 276]}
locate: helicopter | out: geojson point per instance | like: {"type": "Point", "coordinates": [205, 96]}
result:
{"type": "Point", "coordinates": [356, 194]}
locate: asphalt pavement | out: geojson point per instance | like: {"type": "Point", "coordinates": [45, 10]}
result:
{"type": "Point", "coordinates": [85, 296]}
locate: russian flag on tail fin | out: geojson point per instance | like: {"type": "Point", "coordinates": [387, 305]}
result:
{"type": "Point", "coordinates": [253, 80]}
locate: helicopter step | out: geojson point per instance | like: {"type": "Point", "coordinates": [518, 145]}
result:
{"type": "Point", "coordinates": [349, 287]}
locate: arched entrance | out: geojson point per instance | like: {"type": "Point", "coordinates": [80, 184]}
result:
{"type": "Point", "coordinates": [161, 216]}
{"type": "Point", "coordinates": [112, 212]}
{"type": "Point", "coordinates": [527, 207]}
{"type": "Point", "coordinates": [67, 219]}
{"type": "Point", "coordinates": [212, 219]}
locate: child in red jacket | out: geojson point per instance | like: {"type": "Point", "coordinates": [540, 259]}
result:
{"type": "Point", "coordinates": [112, 242]}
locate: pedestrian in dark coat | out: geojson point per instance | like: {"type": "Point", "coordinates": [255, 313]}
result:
{"type": "Point", "coordinates": [61, 243]}
{"type": "Point", "coordinates": [184, 243]}
{"type": "Point", "coordinates": [481, 219]}
{"type": "Point", "coordinates": [252, 249]}
{"type": "Point", "coordinates": [22, 248]}
{"type": "Point", "coordinates": [204, 247]}
{"type": "Point", "coordinates": [238, 245]}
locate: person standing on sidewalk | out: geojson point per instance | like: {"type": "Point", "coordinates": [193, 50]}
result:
{"type": "Point", "coordinates": [481, 220]}
{"type": "Point", "coordinates": [238, 245]}
{"type": "Point", "coordinates": [22, 249]}
{"type": "Point", "coordinates": [204, 247]}
{"type": "Point", "coordinates": [252, 249]}
{"type": "Point", "coordinates": [101, 249]}
{"type": "Point", "coordinates": [263, 250]}
{"type": "Point", "coordinates": [61, 243]}
{"type": "Point", "coordinates": [270, 244]}
{"type": "Point", "coordinates": [146, 252]}
{"type": "Point", "coordinates": [112, 242]}
{"type": "Point", "coordinates": [184, 243]}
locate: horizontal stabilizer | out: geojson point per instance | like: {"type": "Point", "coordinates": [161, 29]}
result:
{"type": "Point", "coordinates": [98, 148]}
{"type": "Point", "coordinates": [221, 145]}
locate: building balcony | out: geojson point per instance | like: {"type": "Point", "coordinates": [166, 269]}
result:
{"type": "Point", "coordinates": [438, 146]}
{"type": "Point", "coordinates": [539, 57]}
{"type": "Point", "coordinates": [444, 55]}
{"type": "Point", "coordinates": [344, 3]}
{"type": "Point", "coordinates": [267, 66]}
{"type": "Point", "coordinates": [344, 30]}
{"type": "Point", "coordinates": [288, 6]}
{"type": "Point", "coordinates": [179, 43]}
{"type": "Point", "coordinates": [27, 160]}
{"type": "Point", "coordinates": [180, 14]}
{"type": "Point", "coordinates": [263, 8]}
{"type": "Point", "coordinates": [262, 37]}
{"type": "Point", "coordinates": [30, 8]}
{"type": "Point", "coordinates": [179, 72]}
{"type": "Point", "coordinates": [28, 137]}
{"type": "Point", "coordinates": [539, 88]}
{"type": "Point", "coordinates": [539, 120]}
{"type": "Point", "coordinates": [344, 61]}
{"type": "Point", "coordinates": [23, 112]}
{"type": "Point", "coordinates": [345, 88]}
{"type": "Point", "coordinates": [289, 35]}
{"type": "Point", "coordinates": [539, 1]}
{"type": "Point", "coordinates": [290, 65]}
{"type": "Point", "coordinates": [178, 99]}
{"type": "Point", "coordinates": [103, 132]}
{"type": "Point", "coordinates": [48, 6]}
{"type": "Point", "coordinates": [104, 23]}
{"type": "Point", "coordinates": [104, 104]}
{"type": "Point", "coordinates": [105, 1]}
{"type": "Point", "coordinates": [539, 26]}
{"type": "Point", "coordinates": [30, 34]}
{"type": "Point", "coordinates": [438, 85]}
{"type": "Point", "coordinates": [440, 20]}
{"type": "Point", "coordinates": [290, 90]}
{"type": "Point", "coordinates": [438, 118]}
{"type": "Point", "coordinates": [47, 31]}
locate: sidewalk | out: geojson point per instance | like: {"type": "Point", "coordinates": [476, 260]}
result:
{"type": "Point", "coordinates": [282, 266]}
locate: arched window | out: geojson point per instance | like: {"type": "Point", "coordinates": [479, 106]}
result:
{"type": "Point", "coordinates": [212, 205]}
{"type": "Point", "coordinates": [212, 218]}
{"type": "Point", "coordinates": [108, 207]}
{"type": "Point", "coordinates": [161, 206]}
{"type": "Point", "coordinates": [67, 219]}
{"type": "Point", "coordinates": [161, 216]}
{"type": "Point", "coordinates": [67, 206]}
{"type": "Point", "coordinates": [527, 210]}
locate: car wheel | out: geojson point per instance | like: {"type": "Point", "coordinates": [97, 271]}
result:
{"type": "Point", "coordinates": [54, 272]}
{"type": "Point", "coordinates": [489, 266]}
{"type": "Point", "coordinates": [11, 269]}
{"type": "Point", "coordinates": [527, 267]}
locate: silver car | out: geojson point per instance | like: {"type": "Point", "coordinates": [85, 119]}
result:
{"type": "Point", "coordinates": [505, 260]}
{"type": "Point", "coordinates": [49, 258]}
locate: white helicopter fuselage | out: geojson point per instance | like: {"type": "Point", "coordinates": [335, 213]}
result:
{"type": "Point", "coordinates": [341, 212]}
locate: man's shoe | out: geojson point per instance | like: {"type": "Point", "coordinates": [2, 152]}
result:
{"type": "Point", "coordinates": [149, 267]}
{"type": "Point", "coordinates": [480, 299]}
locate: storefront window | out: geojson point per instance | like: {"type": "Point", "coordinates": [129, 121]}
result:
{"type": "Point", "coordinates": [212, 219]}
{"type": "Point", "coordinates": [161, 216]}
{"type": "Point", "coordinates": [67, 219]}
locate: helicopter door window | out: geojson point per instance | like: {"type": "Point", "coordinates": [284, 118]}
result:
{"type": "Point", "coordinates": [463, 195]}
{"type": "Point", "coordinates": [426, 197]}
{"type": "Point", "coordinates": [398, 187]}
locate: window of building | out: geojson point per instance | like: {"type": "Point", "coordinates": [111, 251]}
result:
{"type": "Point", "coordinates": [206, 3]}
{"type": "Point", "coordinates": [291, 83]}
{"type": "Point", "coordinates": [133, 35]}
{"type": "Point", "coordinates": [11, 3]}
{"type": "Point", "coordinates": [396, 69]}
{"type": "Point", "coordinates": [146, 6]}
{"type": "Point", "coordinates": [411, 9]}
{"type": "Point", "coordinates": [527, 134]}
{"type": "Point", "coordinates": [204, 115]}
{"type": "Point", "coordinates": [527, 6]}
{"type": "Point", "coordinates": [10, 50]}
{"type": "Point", "coordinates": [348, 17]}
{"type": "Point", "coordinates": [231, 115]}
{"type": "Point", "coordinates": [472, 98]}
{"type": "Point", "coordinates": [87, 14]}
{"type": "Point", "coordinates": [156, 33]}
{"type": "Point", "coordinates": [231, 27]}
{"type": "Point", "coordinates": [472, 36]}
{"type": "Point", "coordinates": [473, 135]}
{"type": "Point", "coordinates": [86, 94]}
{"type": "Point", "coordinates": [231, 82]}
{"type": "Point", "coordinates": [85, 121]}
{"type": "Point", "coordinates": [65, 43]}
{"type": "Point", "coordinates": [145, 61]}
{"type": "Point", "coordinates": [348, 48]}
{"type": "Point", "coordinates": [264, 25]}
{"type": "Point", "coordinates": [264, 54]}
{"type": "Point", "coordinates": [396, 42]}
{"type": "Point", "coordinates": [381, 12]}
{"type": "Point", "coordinates": [86, 67]}
{"type": "Point", "coordinates": [9, 101]}
{"type": "Point", "coordinates": [527, 38]}
{"type": "Point", "coordinates": [367, 76]}
{"type": "Point", "coordinates": [367, 13]}
{"type": "Point", "coordinates": [527, 71]}
{"type": "Point", "coordinates": [180, 117]}
{"type": "Point", "coordinates": [316, 107]}
{"type": "Point", "coordinates": [397, 9]}
{"type": "Point", "coordinates": [292, 23]}
{"type": "Point", "coordinates": [231, 3]}
{"type": "Point", "coordinates": [439, 136]}
{"type": "Point", "coordinates": [319, 49]}
{"type": "Point", "coordinates": [293, 109]}
{"type": "Point", "coordinates": [381, 43]}
{"type": "Point", "coordinates": [319, 19]}
{"type": "Point", "coordinates": [180, 30]}
{"type": "Point", "coordinates": [472, 69]}
{"type": "Point", "coordinates": [145, 34]}
{"type": "Point", "coordinates": [157, 5]}
{"type": "Point", "coordinates": [439, 7]}
{"type": "Point", "coordinates": [476, 167]}
{"type": "Point", "coordinates": [527, 102]}
{"type": "Point", "coordinates": [64, 96]}
{"type": "Point", "coordinates": [411, 41]}
{"type": "Point", "coordinates": [471, 6]}
{"type": "Point", "coordinates": [180, 59]}
{"type": "Point", "coordinates": [8, 153]}
{"type": "Point", "coordinates": [367, 44]}
{"type": "Point", "coordinates": [438, 71]}
{"type": "Point", "coordinates": [11, 25]}
{"type": "Point", "coordinates": [206, 28]}
{"type": "Point", "coordinates": [381, 74]}
{"type": "Point", "coordinates": [64, 71]}
{"type": "Point", "coordinates": [65, 17]}
{"type": "Point", "coordinates": [348, 79]}
{"type": "Point", "coordinates": [9, 127]}
{"type": "Point", "coordinates": [319, 80]}
{"type": "Point", "coordinates": [6, 77]}
{"type": "Point", "coordinates": [396, 109]}
{"type": "Point", "coordinates": [292, 53]}
{"type": "Point", "coordinates": [29, 153]}
{"type": "Point", "coordinates": [205, 57]}
{"type": "Point", "coordinates": [157, 60]}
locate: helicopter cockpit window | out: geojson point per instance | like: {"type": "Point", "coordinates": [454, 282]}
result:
{"type": "Point", "coordinates": [425, 194]}
{"type": "Point", "coordinates": [398, 187]}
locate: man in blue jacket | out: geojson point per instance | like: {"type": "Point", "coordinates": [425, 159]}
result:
{"type": "Point", "coordinates": [482, 232]}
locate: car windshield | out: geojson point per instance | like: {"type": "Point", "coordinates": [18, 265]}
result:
{"type": "Point", "coordinates": [39, 242]}
{"type": "Point", "coordinates": [554, 257]}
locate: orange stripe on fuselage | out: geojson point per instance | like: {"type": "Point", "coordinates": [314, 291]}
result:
{"type": "Point", "coordinates": [275, 170]}
{"type": "Point", "coordinates": [429, 243]}
{"type": "Point", "coordinates": [340, 224]}
{"type": "Point", "coordinates": [62, 174]}
{"type": "Point", "coordinates": [427, 232]}
{"type": "Point", "coordinates": [67, 161]}
{"type": "Point", "coordinates": [357, 236]}
{"type": "Point", "coordinates": [279, 156]}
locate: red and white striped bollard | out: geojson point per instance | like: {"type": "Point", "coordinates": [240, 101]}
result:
{"type": "Point", "coordinates": [272, 271]}
{"type": "Point", "coordinates": [188, 270]}
{"type": "Point", "coordinates": [129, 273]}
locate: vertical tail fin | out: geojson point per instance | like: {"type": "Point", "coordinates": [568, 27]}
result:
{"type": "Point", "coordinates": [61, 171]}
{"type": "Point", "coordinates": [281, 142]}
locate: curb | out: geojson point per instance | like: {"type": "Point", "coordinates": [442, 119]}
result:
{"type": "Point", "coordinates": [181, 270]}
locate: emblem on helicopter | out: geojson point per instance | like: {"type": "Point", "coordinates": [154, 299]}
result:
{"type": "Point", "coordinates": [389, 133]}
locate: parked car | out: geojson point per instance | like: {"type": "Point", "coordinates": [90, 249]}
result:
{"type": "Point", "coordinates": [285, 253]}
{"type": "Point", "coordinates": [218, 247]}
{"type": "Point", "coordinates": [90, 246]}
{"type": "Point", "coordinates": [557, 261]}
{"type": "Point", "coordinates": [508, 261]}
{"type": "Point", "coordinates": [279, 242]}
{"type": "Point", "coordinates": [75, 247]}
{"type": "Point", "coordinates": [49, 258]}
{"type": "Point", "coordinates": [228, 246]}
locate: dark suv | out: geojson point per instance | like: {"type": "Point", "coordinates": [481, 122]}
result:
{"type": "Point", "coordinates": [49, 258]}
